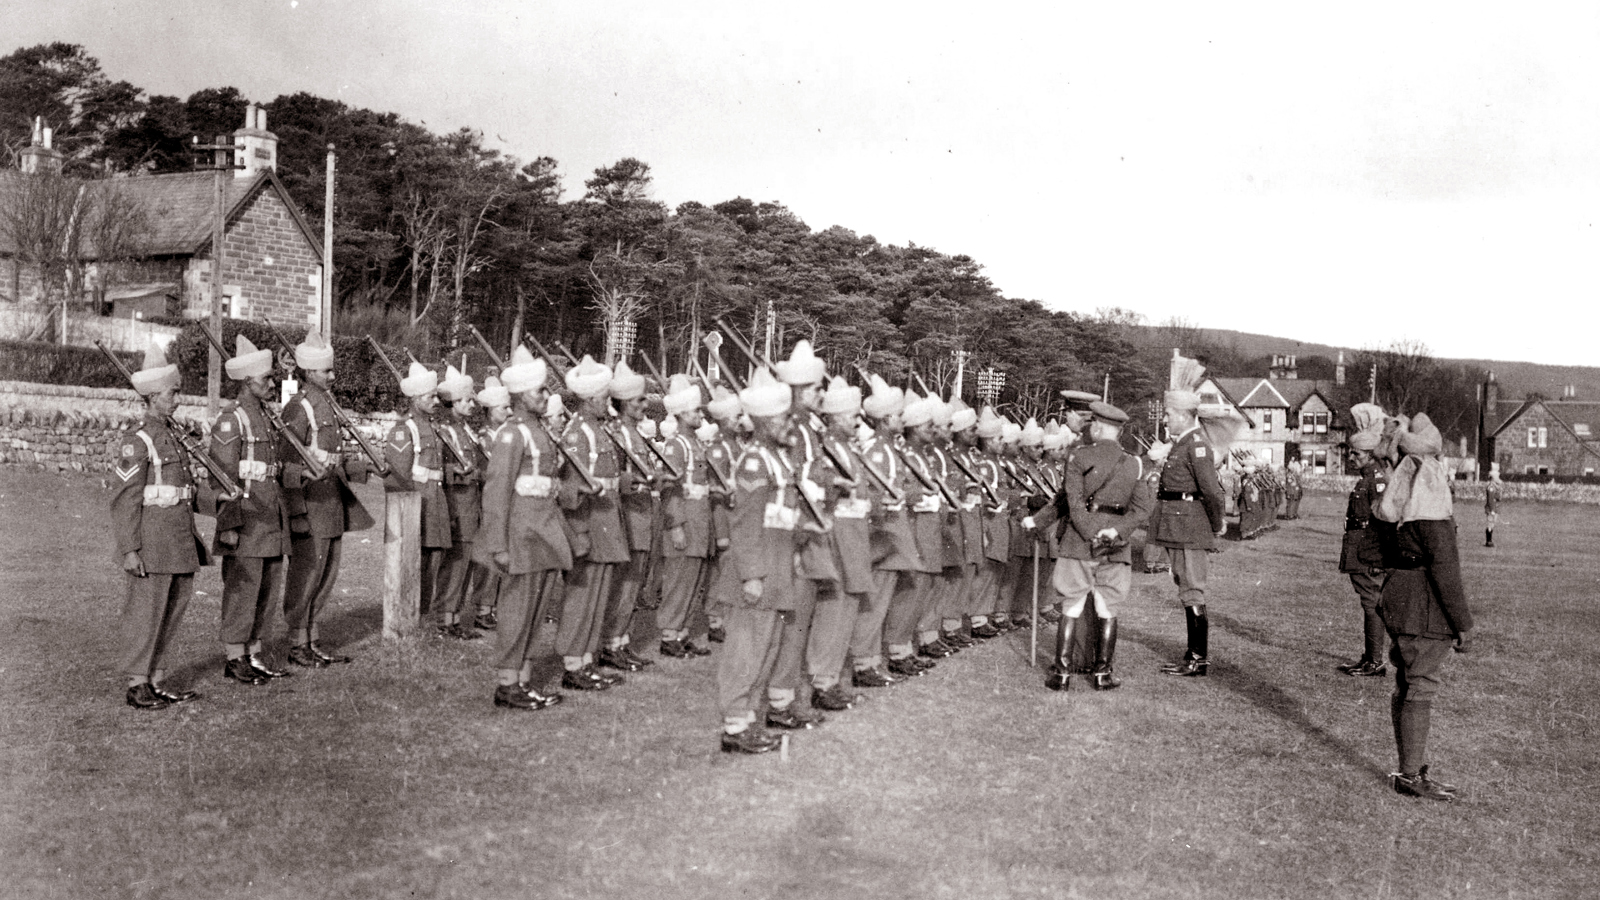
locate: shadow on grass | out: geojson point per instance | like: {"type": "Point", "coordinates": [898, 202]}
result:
{"type": "Point", "coordinates": [341, 629]}
{"type": "Point", "coordinates": [1265, 696]}
{"type": "Point", "coordinates": [1265, 637]}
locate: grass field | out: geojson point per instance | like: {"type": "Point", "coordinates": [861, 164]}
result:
{"type": "Point", "coordinates": [394, 777]}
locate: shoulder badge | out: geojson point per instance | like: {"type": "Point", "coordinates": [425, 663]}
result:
{"type": "Point", "coordinates": [1199, 451]}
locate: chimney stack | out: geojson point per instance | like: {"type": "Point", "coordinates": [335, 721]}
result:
{"type": "Point", "coordinates": [39, 156]}
{"type": "Point", "coordinates": [258, 146]}
{"type": "Point", "coordinates": [1338, 370]}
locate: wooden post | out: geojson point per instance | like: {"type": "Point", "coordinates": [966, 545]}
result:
{"type": "Point", "coordinates": [326, 313]}
{"type": "Point", "coordinates": [402, 564]}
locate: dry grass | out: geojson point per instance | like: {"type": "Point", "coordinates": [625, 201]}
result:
{"type": "Point", "coordinates": [394, 776]}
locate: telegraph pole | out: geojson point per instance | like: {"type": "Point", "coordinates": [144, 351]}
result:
{"type": "Point", "coordinates": [326, 316]}
{"type": "Point", "coordinates": [222, 166]}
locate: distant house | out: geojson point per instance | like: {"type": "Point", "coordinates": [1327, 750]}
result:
{"type": "Point", "coordinates": [1290, 418]}
{"type": "Point", "coordinates": [1559, 438]}
{"type": "Point", "coordinates": [271, 263]}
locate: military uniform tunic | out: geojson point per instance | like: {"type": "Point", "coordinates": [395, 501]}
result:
{"type": "Point", "coordinates": [153, 503]}
{"type": "Point", "coordinates": [253, 530]}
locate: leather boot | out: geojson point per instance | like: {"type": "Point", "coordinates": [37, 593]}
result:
{"type": "Point", "coordinates": [1488, 537]}
{"type": "Point", "coordinates": [1194, 663]}
{"type": "Point", "coordinates": [1060, 677]}
{"type": "Point", "coordinates": [1103, 679]}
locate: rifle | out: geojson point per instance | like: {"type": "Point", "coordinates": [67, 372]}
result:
{"type": "Point", "coordinates": [654, 450]}
{"type": "Point", "coordinates": [705, 380]}
{"type": "Point", "coordinates": [455, 452]}
{"type": "Point", "coordinates": [628, 454]}
{"type": "Point", "coordinates": [180, 433]}
{"type": "Point", "coordinates": [556, 368]}
{"type": "Point", "coordinates": [567, 353]}
{"type": "Point", "coordinates": [929, 481]}
{"type": "Point", "coordinates": [379, 464]}
{"type": "Point", "coordinates": [395, 371]}
{"type": "Point", "coordinates": [890, 490]}
{"type": "Point", "coordinates": [803, 422]}
{"type": "Point", "coordinates": [588, 480]}
{"type": "Point", "coordinates": [1024, 483]}
{"type": "Point", "coordinates": [273, 419]}
{"type": "Point", "coordinates": [983, 483]}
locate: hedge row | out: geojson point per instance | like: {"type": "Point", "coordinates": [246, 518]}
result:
{"type": "Point", "coordinates": [361, 382]}
{"type": "Point", "coordinates": [39, 362]}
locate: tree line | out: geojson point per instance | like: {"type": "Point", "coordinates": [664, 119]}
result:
{"type": "Point", "coordinates": [434, 232]}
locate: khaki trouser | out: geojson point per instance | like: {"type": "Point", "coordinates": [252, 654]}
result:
{"type": "Point", "coordinates": [151, 613]}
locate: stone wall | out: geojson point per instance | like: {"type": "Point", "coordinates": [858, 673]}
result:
{"type": "Point", "coordinates": [75, 429]}
{"type": "Point", "coordinates": [72, 429]}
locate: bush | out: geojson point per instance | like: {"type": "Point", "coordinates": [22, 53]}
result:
{"type": "Point", "coordinates": [43, 363]}
{"type": "Point", "coordinates": [361, 383]}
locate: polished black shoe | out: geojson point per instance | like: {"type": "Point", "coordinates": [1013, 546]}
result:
{"type": "Point", "coordinates": [542, 699]}
{"type": "Point", "coordinates": [935, 649]}
{"type": "Point", "coordinates": [583, 680]}
{"type": "Point", "coordinates": [486, 621]}
{"type": "Point", "coordinates": [1106, 681]}
{"type": "Point", "coordinates": [1420, 785]}
{"type": "Point", "coordinates": [607, 677]}
{"type": "Point", "coordinates": [676, 649]}
{"type": "Point", "coordinates": [1369, 670]}
{"type": "Point", "coordinates": [750, 740]}
{"type": "Point", "coordinates": [793, 719]}
{"type": "Point", "coordinates": [1019, 621]}
{"type": "Point", "coordinates": [906, 667]}
{"type": "Point", "coordinates": [332, 659]}
{"type": "Point", "coordinates": [1191, 667]}
{"type": "Point", "coordinates": [834, 699]}
{"type": "Point", "coordinates": [262, 667]}
{"type": "Point", "coordinates": [460, 632]}
{"type": "Point", "coordinates": [303, 655]}
{"type": "Point", "coordinates": [716, 635]}
{"type": "Point", "coordinates": [986, 631]}
{"type": "Point", "coordinates": [617, 659]}
{"type": "Point", "coordinates": [1349, 667]}
{"type": "Point", "coordinates": [512, 696]}
{"type": "Point", "coordinates": [1058, 679]}
{"type": "Point", "coordinates": [1050, 616]}
{"type": "Point", "coordinates": [695, 649]}
{"type": "Point", "coordinates": [873, 678]}
{"type": "Point", "coordinates": [174, 696]}
{"type": "Point", "coordinates": [143, 696]}
{"type": "Point", "coordinates": [637, 660]}
{"type": "Point", "coordinates": [241, 671]}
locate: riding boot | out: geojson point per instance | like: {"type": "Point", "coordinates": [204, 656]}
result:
{"type": "Point", "coordinates": [1194, 661]}
{"type": "Point", "coordinates": [1060, 677]}
{"type": "Point", "coordinates": [1415, 718]}
{"type": "Point", "coordinates": [1188, 654]}
{"type": "Point", "coordinates": [1103, 679]}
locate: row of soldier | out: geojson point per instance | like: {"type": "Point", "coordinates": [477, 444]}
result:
{"type": "Point", "coordinates": [835, 540]}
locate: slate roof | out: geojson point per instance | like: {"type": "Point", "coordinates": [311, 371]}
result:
{"type": "Point", "coordinates": [1567, 413]}
{"type": "Point", "coordinates": [1279, 393]}
{"type": "Point", "coordinates": [179, 207]}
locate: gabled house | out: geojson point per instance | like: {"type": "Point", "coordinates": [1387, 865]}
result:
{"type": "Point", "coordinates": [1290, 418]}
{"type": "Point", "coordinates": [1535, 437]}
{"type": "Point", "coordinates": [271, 258]}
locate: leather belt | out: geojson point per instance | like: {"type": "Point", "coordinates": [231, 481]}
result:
{"type": "Point", "coordinates": [1176, 495]}
{"type": "Point", "coordinates": [425, 474]}
{"type": "Point", "coordinates": [607, 484]}
{"type": "Point", "coordinates": [1106, 508]}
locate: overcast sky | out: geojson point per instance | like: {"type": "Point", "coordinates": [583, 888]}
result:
{"type": "Point", "coordinates": [1346, 174]}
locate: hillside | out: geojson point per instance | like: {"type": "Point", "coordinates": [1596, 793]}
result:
{"type": "Point", "coordinates": [1516, 378]}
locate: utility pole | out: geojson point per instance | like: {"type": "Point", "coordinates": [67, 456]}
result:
{"type": "Point", "coordinates": [222, 166]}
{"type": "Point", "coordinates": [326, 313]}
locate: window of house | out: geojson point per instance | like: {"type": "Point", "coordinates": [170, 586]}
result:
{"type": "Point", "coordinates": [1314, 423]}
{"type": "Point", "coordinates": [1533, 437]}
{"type": "Point", "coordinates": [1527, 470]}
{"type": "Point", "coordinates": [1266, 422]}
{"type": "Point", "coordinates": [1582, 428]}
{"type": "Point", "coordinates": [1544, 470]}
{"type": "Point", "coordinates": [1544, 436]}
{"type": "Point", "coordinates": [1210, 398]}
{"type": "Point", "coordinates": [1319, 462]}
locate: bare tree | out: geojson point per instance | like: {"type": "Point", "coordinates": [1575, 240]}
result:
{"type": "Point", "coordinates": [63, 226]}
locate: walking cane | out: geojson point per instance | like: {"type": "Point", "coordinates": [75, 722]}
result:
{"type": "Point", "coordinates": [1033, 622]}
